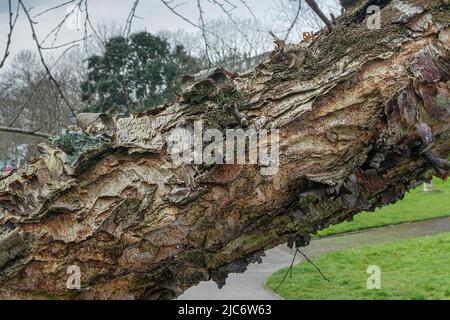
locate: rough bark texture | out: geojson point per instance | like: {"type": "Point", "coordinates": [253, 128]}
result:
{"type": "Point", "coordinates": [353, 108]}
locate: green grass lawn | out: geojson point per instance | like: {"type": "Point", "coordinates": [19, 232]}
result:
{"type": "Point", "coordinates": [410, 269]}
{"type": "Point", "coordinates": [416, 206]}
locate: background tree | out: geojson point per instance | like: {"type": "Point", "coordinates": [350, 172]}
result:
{"type": "Point", "coordinates": [186, 63]}
{"type": "Point", "coordinates": [135, 72]}
{"type": "Point", "coordinates": [29, 100]}
{"type": "Point", "coordinates": [295, 17]}
{"type": "Point", "coordinates": [227, 44]}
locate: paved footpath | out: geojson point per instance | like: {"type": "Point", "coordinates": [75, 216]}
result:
{"type": "Point", "coordinates": [250, 285]}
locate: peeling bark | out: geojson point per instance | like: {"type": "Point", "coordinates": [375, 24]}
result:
{"type": "Point", "coordinates": [363, 119]}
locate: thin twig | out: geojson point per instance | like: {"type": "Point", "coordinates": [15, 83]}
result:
{"type": "Point", "coordinates": [39, 48]}
{"type": "Point", "coordinates": [316, 267]}
{"type": "Point", "coordinates": [37, 86]}
{"type": "Point", "coordinates": [333, 18]}
{"type": "Point", "coordinates": [249, 9]}
{"type": "Point", "coordinates": [230, 16]}
{"type": "Point", "coordinates": [130, 18]}
{"type": "Point", "coordinates": [26, 132]}
{"type": "Point", "coordinates": [88, 22]}
{"type": "Point", "coordinates": [172, 8]}
{"type": "Point", "coordinates": [65, 44]}
{"type": "Point", "coordinates": [289, 271]}
{"type": "Point", "coordinates": [203, 28]}
{"type": "Point", "coordinates": [291, 267]}
{"type": "Point", "coordinates": [12, 24]}
{"type": "Point", "coordinates": [56, 30]}
{"type": "Point", "coordinates": [295, 19]}
{"type": "Point", "coordinates": [53, 8]}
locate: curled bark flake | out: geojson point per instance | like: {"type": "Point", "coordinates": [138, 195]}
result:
{"type": "Point", "coordinates": [426, 137]}
{"type": "Point", "coordinates": [408, 11]}
{"type": "Point", "coordinates": [11, 245]}
{"type": "Point", "coordinates": [178, 195]}
{"type": "Point", "coordinates": [96, 124]}
{"type": "Point", "coordinates": [220, 274]}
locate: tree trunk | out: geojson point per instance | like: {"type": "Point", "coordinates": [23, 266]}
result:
{"type": "Point", "coordinates": [353, 109]}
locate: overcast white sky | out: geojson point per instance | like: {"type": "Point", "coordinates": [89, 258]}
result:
{"type": "Point", "coordinates": [155, 16]}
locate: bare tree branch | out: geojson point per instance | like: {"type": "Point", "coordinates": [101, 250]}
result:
{"type": "Point", "coordinates": [245, 4]}
{"type": "Point", "coordinates": [88, 22]}
{"type": "Point", "coordinates": [55, 31]}
{"type": "Point", "coordinates": [37, 86]}
{"type": "Point", "coordinates": [203, 28]}
{"type": "Point", "coordinates": [130, 18]}
{"type": "Point", "coordinates": [295, 20]}
{"type": "Point", "coordinates": [289, 271]}
{"type": "Point", "coordinates": [314, 265]}
{"type": "Point", "coordinates": [26, 132]}
{"type": "Point", "coordinates": [172, 8]}
{"type": "Point", "coordinates": [12, 24]}
{"type": "Point", "coordinates": [230, 16]}
{"type": "Point", "coordinates": [39, 48]}
{"type": "Point", "coordinates": [54, 8]}
{"type": "Point", "coordinates": [65, 44]}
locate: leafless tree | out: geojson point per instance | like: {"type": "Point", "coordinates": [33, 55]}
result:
{"type": "Point", "coordinates": [296, 17]}
{"type": "Point", "coordinates": [30, 102]}
{"type": "Point", "coordinates": [228, 47]}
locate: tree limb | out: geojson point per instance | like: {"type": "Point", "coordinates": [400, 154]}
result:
{"type": "Point", "coordinates": [26, 132]}
{"type": "Point", "coordinates": [131, 16]}
{"type": "Point", "coordinates": [357, 120]}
